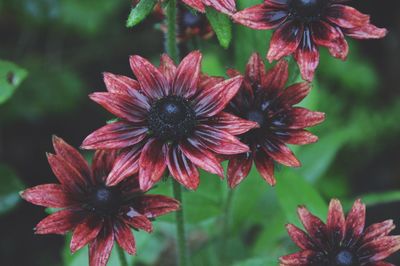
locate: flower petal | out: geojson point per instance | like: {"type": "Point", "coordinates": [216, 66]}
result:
{"type": "Point", "coordinates": [224, 6]}
{"type": "Point", "coordinates": [238, 169]}
{"type": "Point", "coordinates": [285, 40]}
{"type": "Point", "coordinates": [59, 222]}
{"type": "Point", "coordinates": [153, 206]}
{"type": "Point", "coordinates": [336, 222]}
{"type": "Point", "coordinates": [71, 155]}
{"type": "Point", "coordinates": [102, 163]}
{"type": "Point", "coordinates": [187, 76]}
{"type": "Point", "coordinates": [302, 118]}
{"type": "Point", "coordinates": [193, 150]}
{"type": "Point", "coordinates": [299, 137]}
{"type": "Point", "coordinates": [314, 226]}
{"type": "Point", "coordinates": [302, 258]}
{"type": "Point", "coordinates": [120, 84]}
{"type": "Point", "coordinates": [299, 237]}
{"type": "Point", "coordinates": [381, 248]}
{"type": "Point", "coordinates": [85, 232]}
{"type": "Point", "coordinates": [265, 166]}
{"type": "Point", "coordinates": [280, 153]}
{"type": "Point", "coordinates": [260, 17]}
{"type": "Point", "coordinates": [355, 223]}
{"type": "Point", "coordinates": [69, 177]}
{"type": "Point", "coordinates": [182, 169]}
{"type": "Point", "coordinates": [126, 164]}
{"type": "Point", "coordinates": [368, 31]}
{"type": "Point", "coordinates": [324, 34]}
{"type": "Point", "coordinates": [230, 123]}
{"type": "Point", "coordinates": [196, 4]}
{"type": "Point", "coordinates": [100, 248]}
{"type": "Point", "coordinates": [116, 135]}
{"type": "Point", "coordinates": [213, 100]}
{"type": "Point", "coordinates": [219, 141]}
{"type": "Point", "coordinates": [137, 220]}
{"type": "Point", "coordinates": [122, 106]}
{"type": "Point", "coordinates": [307, 56]}
{"type": "Point", "coordinates": [346, 16]}
{"type": "Point", "coordinates": [49, 195]}
{"type": "Point", "coordinates": [152, 82]}
{"type": "Point", "coordinates": [255, 69]}
{"type": "Point", "coordinates": [378, 230]}
{"type": "Point", "coordinates": [152, 163]}
{"type": "Point", "coordinates": [168, 68]}
{"type": "Point", "coordinates": [124, 237]}
{"type": "Point", "coordinates": [276, 77]}
{"type": "Point", "coordinates": [294, 94]}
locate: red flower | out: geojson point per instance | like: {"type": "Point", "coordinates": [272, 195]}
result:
{"type": "Point", "coordinates": [171, 117]}
{"type": "Point", "coordinates": [263, 99]}
{"type": "Point", "coordinates": [341, 242]}
{"type": "Point", "coordinates": [192, 24]}
{"type": "Point", "coordinates": [303, 25]}
{"type": "Point", "coordinates": [224, 6]}
{"type": "Point", "coordinates": [96, 213]}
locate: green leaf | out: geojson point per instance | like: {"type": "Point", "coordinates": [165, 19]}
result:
{"type": "Point", "coordinates": [11, 77]}
{"type": "Point", "coordinates": [140, 12]}
{"type": "Point", "coordinates": [292, 191]}
{"type": "Point", "coordinates": [376, 198]}
{"type": "Point", "coordinates": [222, 26]}
{"type": "Point", "coordinates": [10, 187]}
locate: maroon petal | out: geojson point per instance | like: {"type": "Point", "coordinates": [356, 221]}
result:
{"type": "Point", "coordinates": [193, 150]}
{"type": "Point", "coordinates": [187, 76]}
{"type": "Point", "coordinates": [285, 40]}
{"type": "Point", "coordinates": [50, 195]}
{"type": "Point", "coordinates": [265, 166]}
{"type": "Point", "coordinates": [213, 100]}
{"type": "Point", "coordinates": [300, 137]}
{"type": "Point", "coordinates": [299, 237]}
{"type": "Point", "coordinates": [294, 94]}
{"type": "Point", "coordinates": [120, 84]}
{"type": "Point", "coordinates": [307, 56]}
{"type": "Point", "coordinates": [85, 232]}
{"type": "Point", "coordinates": [381, 248]}
{"type": "Point", "coordinates": [152, 82]}
{"type": "Point", "coordinates": [153, 206]}
{"type": "Point", "coordinates": [224, 6]}
{"type": "Point", "coordinates": [255, 69]}
{"type": "Point", "coordinates": [302, 258]}
{"type": "Point", "coordinates": [72, 156]}
{"type": "Point", "coordinates": [230, 123]}
{"type": "Point", "coordinates": [152, 163]}
{"type": "Point", "coordinates": [346, 16]}
{"type": "Point", "coordinates": [124, 237]}
{"type": "Point", "coordinates": [116, 135]}
{"type": "Point", "coordinates": [302, 118]}
{"type": "Point", "coordinates": [69, 177]}
{"type": "Point", "coordinates": [281, 153]}
{"type": "Point", "coordinates": [122, 106]}
{"type": "Point", "coordinates": [326, 35]}
{"type": "Point", "coordinates": [182, 169]}
{"type": "Point", "coordinates": [100, 248]}
{"type": "Point", "coordinates": [137, 220]}
{"type": "Point", "coordinates": [102, 163]}
{"type": "Point", "coordinates": [355, 223]}
{"type": "Point", "coordinates": [59, 222]}
{"type": "Point", "coordinates": [219, 141]}
{"type": "Point", "coordinates": [260, 17]}
{"type": "Point", "coordinates": [206, 82]}
{"type": "Point", "coordinates": [167, 68]}
{"type": "Point", "coordinates": [276, 77]}
{"type": "Point", "coordinates": [196, 4]}
{"type": "Point", "coordinates": [367, 31]}
{"type": "Point", "coordinates": [314, 226]}
{"type": "Point", "coordinates": [125, 165]}
{"type": "Point", "coordinates": [336, 222]}
{"type": "Point", "coordinates": [378, 230]}
{"type": "Point", "coordinates": [238, 169]}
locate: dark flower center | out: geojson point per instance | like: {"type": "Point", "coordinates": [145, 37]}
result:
{"type": "Point", "coordinates": [345, 258]}
{"type": "Point", "coordinates": [172, 118]}
{"type": "Point", "coordinates": [307, 10]}
{"type": "Point", "coordinates": [191, 20]}
{"type": "Point", "coordinates": [256, 116]}
{"type": "Point", "coordinates": [105, 200]}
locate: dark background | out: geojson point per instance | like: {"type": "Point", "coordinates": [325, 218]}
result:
{"type": "Point", "coordinates": [65, 48]}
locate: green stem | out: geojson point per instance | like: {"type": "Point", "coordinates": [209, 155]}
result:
{"type": "Point", "coordinates": [122, 257]}
{"type": "Point", "coordinates": [171, 43]}
{"type": "Point", "coordinates": [226, 226]}
{"type": "Point", "coordinates": [180, 226]}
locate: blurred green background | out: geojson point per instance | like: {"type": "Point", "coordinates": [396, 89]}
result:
{"type": "Point", "coordinates": [52, 54]}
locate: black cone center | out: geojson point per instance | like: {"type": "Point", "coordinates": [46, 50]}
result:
{"type": "Point", "coordinates": [256, 116]}
{"type": "Point", "coordinates": [345, 258]}
{"type": "Point", "coordinates": [307, 10]}
{"type": "Point", "coordinates": [105, 200]}
{"type": "Point", "coordinates": [171, 118]}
